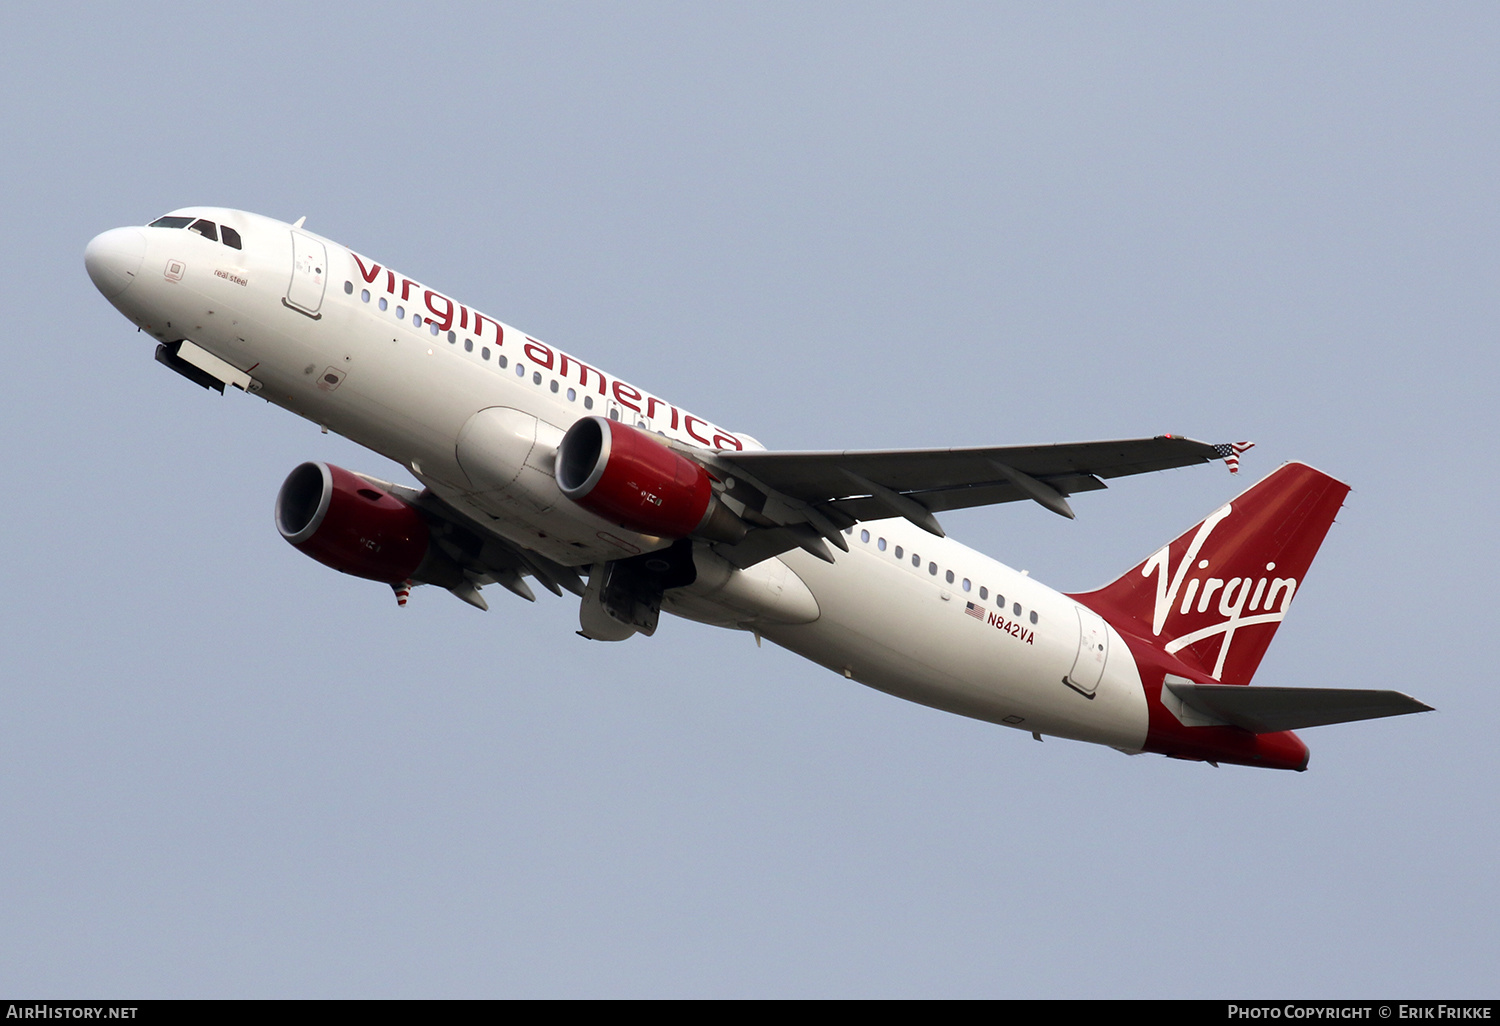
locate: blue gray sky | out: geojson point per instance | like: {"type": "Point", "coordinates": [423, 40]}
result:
{"type": "Point", "coordinates": [228, 771]}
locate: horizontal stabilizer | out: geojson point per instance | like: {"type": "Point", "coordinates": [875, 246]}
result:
{"type": "Point", "coordinates": [1267, 710]}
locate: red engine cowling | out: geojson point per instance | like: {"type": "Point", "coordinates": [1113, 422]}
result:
{"type": "Point", "coordinates": [630, 478]}
{"type": "Point", "coordinates": [343, 521]}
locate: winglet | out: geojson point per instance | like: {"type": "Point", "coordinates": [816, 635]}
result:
{"type": "Point", "coordinates": [1230, 453]}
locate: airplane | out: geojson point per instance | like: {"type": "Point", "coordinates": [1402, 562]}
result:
{"type": "Point", "coordinates": [537, 466]}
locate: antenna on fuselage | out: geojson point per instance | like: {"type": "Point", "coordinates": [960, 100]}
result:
{"type": "Point", "coordinates": [298, 222]}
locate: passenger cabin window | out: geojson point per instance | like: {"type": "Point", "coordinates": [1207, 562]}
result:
{"type": "Point", "coordinates": [207, 229]}
{"type": "Point", "coordinates": [231, 237]}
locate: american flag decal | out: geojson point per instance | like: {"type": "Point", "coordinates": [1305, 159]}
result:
{"type": "Point", "coordinates": [1230, 452]}
{"type": "Point", "coordinates": [977, 612]}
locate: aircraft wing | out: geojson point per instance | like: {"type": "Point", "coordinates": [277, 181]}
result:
{"type": "Point", "coordinates": [800, 497]}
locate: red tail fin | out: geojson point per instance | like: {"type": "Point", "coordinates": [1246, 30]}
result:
{"type": "Point", "coordinates": [1214, 597]}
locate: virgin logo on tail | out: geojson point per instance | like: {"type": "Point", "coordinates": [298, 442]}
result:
{"type": "Point", "coordinates": [1236, 596]}
{"type": "Point", "coordinates": [1198, 594]}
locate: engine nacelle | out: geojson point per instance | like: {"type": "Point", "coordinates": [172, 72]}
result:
{"type": "Point", "coordinates": [629, 478]}
{"type": "Point", "coordinates": [343, 521]}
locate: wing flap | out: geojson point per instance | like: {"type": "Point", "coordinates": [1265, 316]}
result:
{"type": "Point", "coordinates": [940, 500]}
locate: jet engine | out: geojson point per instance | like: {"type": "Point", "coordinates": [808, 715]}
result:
{"type": "Point", "coordinates": [633, 479]}
{"type": "Point", "coordinates": [343, 521]}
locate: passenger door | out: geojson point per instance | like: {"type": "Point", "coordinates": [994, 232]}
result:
{"type": "Point", "coordinates": [304, 293]}
{"type": "Point", "coordinates": [1093, 653]}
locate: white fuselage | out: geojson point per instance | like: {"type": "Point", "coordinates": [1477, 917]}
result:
{"type": "Point", "coordinates": [474, 408]}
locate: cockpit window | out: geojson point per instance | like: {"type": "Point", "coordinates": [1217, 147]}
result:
{"type": "Point", "coordinates": [202, 226]}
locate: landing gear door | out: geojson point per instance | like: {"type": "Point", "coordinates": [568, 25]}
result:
{"type": "Point", "coordinates": [1093, 652]}
{"type": "Point", "coordinates": [304, 293]}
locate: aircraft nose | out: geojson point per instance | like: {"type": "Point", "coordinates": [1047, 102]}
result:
{"type": "Point", "coordinates": [113, 258]}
